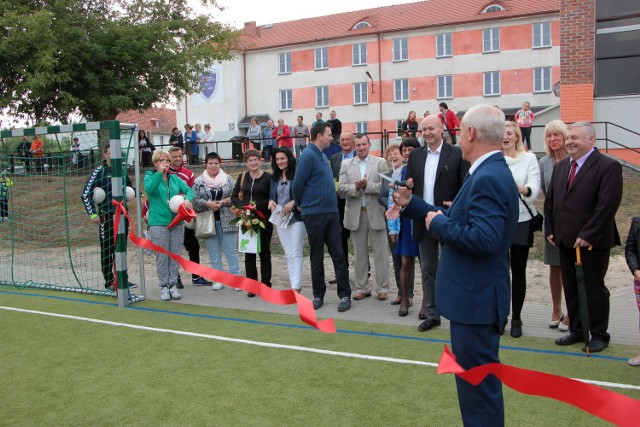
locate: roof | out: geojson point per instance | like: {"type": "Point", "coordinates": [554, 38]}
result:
{"type": "Point", "coordinates": [422, 14]}
{"type": "Point", "coordinates": [246, 120]}
{"type": "Point", "coordinates": [166, 119]}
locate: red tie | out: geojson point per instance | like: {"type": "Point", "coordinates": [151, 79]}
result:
{"type": "Point", "coordinates": [572, 174]}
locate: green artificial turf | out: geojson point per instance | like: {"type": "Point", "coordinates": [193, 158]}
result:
{"type": "Point", "coordinates": [57, 371]}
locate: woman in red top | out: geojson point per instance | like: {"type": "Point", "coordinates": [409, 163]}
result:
{"type": "Point", "coordinates": [282, 135]}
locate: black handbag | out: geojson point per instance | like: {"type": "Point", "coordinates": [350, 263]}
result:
{"type": "Point", "coordinates": [536, 221]}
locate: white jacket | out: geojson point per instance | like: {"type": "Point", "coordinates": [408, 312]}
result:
{"type": "Point", "coordinates": [526, 172]}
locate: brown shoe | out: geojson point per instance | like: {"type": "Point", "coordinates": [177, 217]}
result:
{"type": "Point", "coordinates": [383, 296]}
{"type": "Point", "coordinates": [360, 296]}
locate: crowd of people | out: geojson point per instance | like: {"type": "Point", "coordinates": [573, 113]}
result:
{"type": "Point", "coordinates": [347, 195]}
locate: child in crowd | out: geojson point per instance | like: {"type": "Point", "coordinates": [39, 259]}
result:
{"type": "Point", "coordinates": [632, 253]}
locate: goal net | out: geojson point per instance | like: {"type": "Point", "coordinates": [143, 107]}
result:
{"type": "Point", "coordinates": [47, 239]}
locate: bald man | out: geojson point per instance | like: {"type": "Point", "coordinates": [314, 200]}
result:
{"type": "Point", "coordinates": [438, 171]}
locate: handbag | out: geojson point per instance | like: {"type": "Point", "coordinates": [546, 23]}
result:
{"type": "Point", "coordinates": [205, 224]}
{"type": "Point", "coordinates": [234, 209]}
{"type": "Point", "coordinates": [536, 221]}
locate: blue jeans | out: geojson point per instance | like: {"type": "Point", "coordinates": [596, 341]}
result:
{"type": "Point", "coordinates": [266, 152]}
{"type": "Point", "coordinates": [299, 149]}
{"type": "Point", "coordinates": [223, 242]}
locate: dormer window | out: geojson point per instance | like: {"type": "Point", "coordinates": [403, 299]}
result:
{"type": "Point", "coordinates": [493, 8]}
{"type": "Point", "coordinates": [362, 24]}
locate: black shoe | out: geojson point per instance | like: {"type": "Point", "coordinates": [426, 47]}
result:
{"type": "Point", "coordinates": [345, 304]}
{"type": "Point", "coordinates": [516, 328]}
{"type": "Point", "coordinates": [423, 316]}
{"type": "Point", "coordinates": [179, 285]}
{"type": "Point", "coordinates": [569, 339]}
{"type": "Point", "coordinates": [317, 303]}
{"type": "Point", "coordinates": [333, 281]}
{"type": "Point", "coordinates": [250, 295]}
{"type": "Point", "coordinates": [201, 281]}
{"type": "Point", "coordinates": [596, 346]}
{"type": "Point", "coordinates": [428, 324]}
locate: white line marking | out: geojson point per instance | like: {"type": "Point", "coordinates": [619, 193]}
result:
{"type": "Point", "coordinates": [278, 346]}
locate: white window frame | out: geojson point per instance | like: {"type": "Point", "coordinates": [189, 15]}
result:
{"type": "Point", "coordinates": [493, 8]}
{"type": "Point", "coordinates": [362, 127]}
{"type": "Point", "coordinates": [542, 80]}
{"type": "Point", "coordinates": [360, 93]}
{"type": "Point", "coordinates": [322, 96]}
{"type": "Point", "coordinates": [539, 31]}
{"type": "Point", "coordinates": [359, 54]}
{"type": "Point", "coordinates": [443, 41]}
{"type": "Point", "coordinates": [400, 50]}
{"type": "Point", "coordinates": [321, 58]}
{"type": "Point", "coordinates": [284, 63]}
{"type": "Point", "coordinates": [402, 86]}
{"type": "Point", "coordinates": [445, 82]}
{"type": "Point", "coordinates": [490, 45]}
{"type": "Point", "coordinates": [491, 75]}
{"type": "Point", "coordinates": [288, 100]}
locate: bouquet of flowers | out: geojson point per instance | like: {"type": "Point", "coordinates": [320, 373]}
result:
{"type": "Point", "coordinates": [250, 219]}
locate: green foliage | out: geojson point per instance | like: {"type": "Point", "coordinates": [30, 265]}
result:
{"type": "Point", "coordinates": [101, 57]}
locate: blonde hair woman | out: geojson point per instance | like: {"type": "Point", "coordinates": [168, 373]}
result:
{"type": "Point", "coordinates": [526, 174]}
{"type": "Point", "coordinates": [555, 134]}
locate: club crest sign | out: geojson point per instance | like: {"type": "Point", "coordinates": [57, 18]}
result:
{"type": "Point", "coordinates": [211, 91]}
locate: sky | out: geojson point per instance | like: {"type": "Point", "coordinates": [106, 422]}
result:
{"type": "Point", "coordinates": [264, 12]}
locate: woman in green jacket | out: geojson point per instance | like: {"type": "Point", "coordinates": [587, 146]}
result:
{"type": "Point", "coordinates": [160, 187]}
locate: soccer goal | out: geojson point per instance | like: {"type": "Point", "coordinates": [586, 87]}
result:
{"type": "Point", "coordinates": [47, 239]}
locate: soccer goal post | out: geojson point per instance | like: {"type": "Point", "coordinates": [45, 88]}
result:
{"type": "Point", "coordinates": [48, 239]}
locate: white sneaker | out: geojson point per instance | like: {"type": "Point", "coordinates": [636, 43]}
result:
{"type": "Point", "coordinates": [237, 289]}
{"type": "Point", "coordinates": [164, 294]}
{"type": "Point", "coordinates": [217, 286]}
{"type": "Point", "coordinates": [173, 291]}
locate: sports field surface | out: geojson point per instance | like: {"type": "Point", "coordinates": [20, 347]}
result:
{"type": "Point", "coordinates": [71, 359]}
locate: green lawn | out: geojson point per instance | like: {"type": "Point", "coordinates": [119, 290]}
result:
{"type": "Point", "coordinates": [68, 372]}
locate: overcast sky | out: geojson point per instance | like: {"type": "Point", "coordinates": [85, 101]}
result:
{"type": "Point", "coordinates": [264, 12]}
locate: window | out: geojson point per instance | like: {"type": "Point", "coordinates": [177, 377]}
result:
{"type": "Point", "coordinates": [492, 83]}
{"type": "Point", "coordinates": [541, 35]}
{"type": "Point", "coordinates": [400, 50]}
{"type": "Point", "coordinates": [542, 79]}
{"type": "Point", "coordinates": [284, 60]}
{"type": "Point", "coordinates": [401, 90]}
{"type": "Point", "coordinates": [360, 93]}
{"type": "Point", "coordinates": [362, 24]}
{"type": "Point", "coordinates": [443, 45]}
{"type": "Point", "coordinates": [493, 8]}
{"type": "Point", "coordinates": [360, 54]}
{"type": "Point", "coordinates": [286, 100]}
{"type": "Point", "coordinates": [399, 128]}
{"type": "Point", "coordinates": [490, 40]}
{"type": "Point", "coordinates": [445, 87]}
{"type": "Point", "coordinates": [322, 58]}
{"type": "Point", "coordinates": [362, 127]}
{"type": "Point", "coordinates": [322, 96]}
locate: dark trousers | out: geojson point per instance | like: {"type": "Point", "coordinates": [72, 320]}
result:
{"type": "Point", "coordinates": [250, 267]}
{"type": "Point", "coordinates": [266, 152]}
{"type": "Point", "coordinates": [594, 264]}
{"type": "Point", "coordinates": [192, 246]}
{"type": "Point", "coordinates": [324, 229]}
{"type": "Point", "coordinates": [429, 258]}
{"type": "Point", "coordinates": [4, 207]}
{"type": "Point", "coordinates": [107, 248]}
{"type": "Point", "coordinates": [474, 345]}
{"type": "Point", "coordinates": [344, 233]}
{"type": "Point", "coordinates": [526, 137]}
{"type": "Point", "coordinates": [518, 256]}
{"type": "Point", "coordinates": [397, 263]}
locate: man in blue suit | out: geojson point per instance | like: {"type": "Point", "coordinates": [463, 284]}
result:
{"type": "Point", "coordinates": [472, 282]}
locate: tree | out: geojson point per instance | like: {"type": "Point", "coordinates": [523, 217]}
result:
{"type": "Point", "coordinates": [98, 58]}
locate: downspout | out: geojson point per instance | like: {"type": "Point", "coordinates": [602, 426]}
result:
{"type": "Point", "coordinates": [244, 74]}
{"type": "Point", "coordinates": [380, 83]}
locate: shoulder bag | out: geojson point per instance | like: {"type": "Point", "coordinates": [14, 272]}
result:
{"type": "Point", "coordinates": [234, 209]}
{"type": "Point", "coordinates": [205, 224]}
{"type": "Point", "coordinates": [536, 221]}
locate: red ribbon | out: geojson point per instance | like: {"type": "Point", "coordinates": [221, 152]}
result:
{"type": "Point", "coordinates": [608, 405]}
{"type": "Point", "coordinates": [283, 297]}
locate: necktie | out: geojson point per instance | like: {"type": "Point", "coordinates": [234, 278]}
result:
{"type": "Point", "coordinates": [572, 174]}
